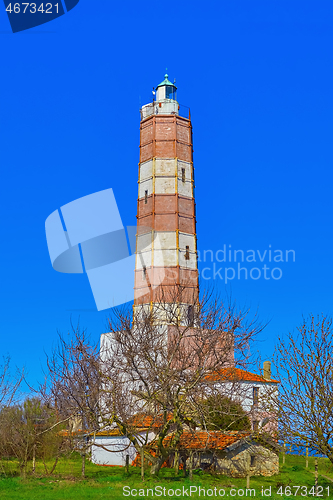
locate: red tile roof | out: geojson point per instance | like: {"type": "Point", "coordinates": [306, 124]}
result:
{"type": "Point", "coordinates": [236, 374]}
{"type": "Point", "coordinates": [142, 420]}
{"type": "Point", "coordinates": [110, 432]}
{"type": "Point", "coordinates": [203, 440]}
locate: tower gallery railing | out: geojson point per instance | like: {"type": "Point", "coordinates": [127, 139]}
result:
{"type": "Point", "coordinates": [170, 108]}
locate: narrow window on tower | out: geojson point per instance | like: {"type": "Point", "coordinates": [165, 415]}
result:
{"type": "Point", "coordinates": [146, 196]}
{"type": "Point", "coordinates": [190, 315]}
{"type": "Point", "coordinates": [187, 253]}
{"type": "Point", "coordinates": [255, 396]}
{"type": "Point", "coordinates": [183, 174]}
{"type": "Point", "coordinates": [144, 273]}
{"type": "Point", "coordinates": [253, 461]}
{"type": "Point", "coordinates": [255, 425]}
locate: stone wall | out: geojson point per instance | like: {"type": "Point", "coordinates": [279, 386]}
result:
{"type": "Point", "coordinates": [248, 457]}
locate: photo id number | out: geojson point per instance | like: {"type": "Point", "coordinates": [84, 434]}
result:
{"type": "Point", "coordinates": [33, 8]}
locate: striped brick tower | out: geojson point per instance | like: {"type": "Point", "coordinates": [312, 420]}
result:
{"type": "Point", "coordinates": [166, 253]}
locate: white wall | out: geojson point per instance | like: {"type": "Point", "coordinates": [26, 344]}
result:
{"type": "Point", "coordinates": [116, 455]}
{"type": "Point", "coordinates": [118, 446]}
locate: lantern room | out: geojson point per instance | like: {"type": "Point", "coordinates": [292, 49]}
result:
{"type": "Point", "coordinates": [166, 90]}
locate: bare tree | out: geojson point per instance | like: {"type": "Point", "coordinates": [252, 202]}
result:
{"type": "Point", "coordinates": [305, 369]}
{"type": "Point", "coordinates": [9, 388]}
{"type": "Point", "coordinates": [28, 431]}
{"type": "Point", "coordinates": [163, 364]}
{"type": "Point", "coordinates": [155, 371]}
{"type": "Point", "coordinates": [9, 384]}
{"type": "Point", "coordinates": [73, 387]}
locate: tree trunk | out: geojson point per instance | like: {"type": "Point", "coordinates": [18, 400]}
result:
{"type": "Point", "coordinates": [54, 465]}
{"type": "Point", "coordinates": [248, 480]}
{"type": "Point", "coordinates": [83, 472]}
{"type": "Point", "coordinates": [45, 466]}
{"type": "Point", "coordinates": [191, 466]}
{"type": "Point", "coordinates": [307, 457]}
{"type": "Point", "coordinates": [176, 463]}
{"type": "Point", "coordinates": [24, 463]}
{"type": "Point", "coordinates": [184, 466]}
{"type": "Point", "coordinates": [284, 453]}
{"type": "Point", "coordinates": [24, 470]}
{"type": "Point", "coordinates": [142, 465]}
{"type": "Point", "coordinates": [156, 466]}
{"type": "Point", "coordinates": [34, 459]}
{"type": "Point", "coordinates": [127, 464]}
{"type": "Point", "coordinates": [316, 475]}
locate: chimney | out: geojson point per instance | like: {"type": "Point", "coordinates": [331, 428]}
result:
{"type": "Point", "coordinates": [267, 370]}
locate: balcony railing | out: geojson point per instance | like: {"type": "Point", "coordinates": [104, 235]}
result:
{"type": "Point", "coordinates": [167, 107]}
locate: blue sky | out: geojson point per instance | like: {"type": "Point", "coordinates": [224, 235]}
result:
{"type": "Point", "coordinates": [258, 79]}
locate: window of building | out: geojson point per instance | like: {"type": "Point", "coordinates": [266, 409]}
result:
{"type": "Point", "coordinates": [146, 196]}
{"type": "Point", "coordinates": [183, 174]}
{"type": "Point", "coordinates": [255, 396]}
{"type": "Point", "coordinates": [190, 315]}
{"type": "Point", "coordinates": [253, 460]}
{"type": "Point", "coordinates": [170, 92]}
{"type": "Point", "coordinates": [187, 253]}
{"type": "Point", "coordinates": [144, 273]}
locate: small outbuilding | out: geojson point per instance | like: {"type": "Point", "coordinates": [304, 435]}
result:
{"type": "Point", "coordinates": [234, 454]}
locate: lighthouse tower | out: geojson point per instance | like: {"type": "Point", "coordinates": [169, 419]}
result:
{"type": "Point", "coordinates": [166, 252]}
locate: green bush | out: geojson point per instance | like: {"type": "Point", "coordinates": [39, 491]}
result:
{"type": "Point", "coordinates": [224, 414]}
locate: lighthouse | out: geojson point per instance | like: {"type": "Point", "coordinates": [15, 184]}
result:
{"type": "Point", "coordinates": [166, 245]}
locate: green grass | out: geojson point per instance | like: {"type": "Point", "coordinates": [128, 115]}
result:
{"type": "Point", "coordinates": [108, 482]}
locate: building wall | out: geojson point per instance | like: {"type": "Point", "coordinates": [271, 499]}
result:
{"type": "Point", "coordinates": [166, 225]}
{"type": "Point", "coordinates": [237, 463]}
{"type": "Point", "coordinates": [117, 447]}
{"type": "Point", "coordinates": [116, 454]}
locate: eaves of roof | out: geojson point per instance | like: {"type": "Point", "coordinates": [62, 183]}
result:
{"type": "Point", "coordinates": [237, 375]}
